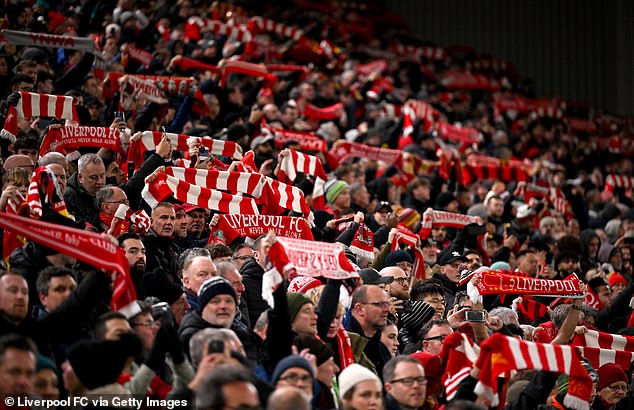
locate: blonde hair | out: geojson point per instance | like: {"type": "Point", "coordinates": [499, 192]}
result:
{"type": "Point", "coordinates": [314, 295]}
{"type": "Point", "coordinates": [16, 176]}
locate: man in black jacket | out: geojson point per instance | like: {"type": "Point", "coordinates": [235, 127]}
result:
{"type": "Point", "coordinates": [83, 186]}
{"type": "Point", "coordinates": [161, 252]}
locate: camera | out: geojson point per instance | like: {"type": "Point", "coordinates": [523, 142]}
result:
{"type": "Point", "coordinates": [477, 316]}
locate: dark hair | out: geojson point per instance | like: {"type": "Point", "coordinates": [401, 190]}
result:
{"type": "Point", "coordinates": [45, 275]}
{"type": "Point", "coordinates": [16, 341]}
{"type": "Point", "coordinates": [209, 393]}
{"type": "Point", "coordinates": [99, 330]}
{"type": "Point", "coordinates": [425, 329]}
{"type": "Point", "coordinates": [390, 366]}
{"type": "Point", "coordinates": [20, 78]}
{"type": "Point", "coordinates": [426, 288]}
{"type": "Point", "coordinates": [219, 250]}
{"type": "Point", "coordinates": [26, 141]}
{"type": "Point", "coordinates": [125, 236]}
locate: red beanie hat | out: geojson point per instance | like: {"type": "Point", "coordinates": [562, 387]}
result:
{"type": "Point", "coordinates": [615, 278]}
{"type": "Point", "coordinates": [610, 373]}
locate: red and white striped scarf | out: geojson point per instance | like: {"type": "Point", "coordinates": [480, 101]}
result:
{"type": "Point", "coordinates": [164, 186]}
{"type": "Point", "coordinates": [466, 135]}
{"type": "Point", "coordinates": [65, 137]}
{"type": "Point", "coordinates": [307, 164]}
{"type": "Point", "coordinates": [419, 109]}
{"type": "Point", "coordinates": [363, 242]}
{"type": "Point", "coordinates": [500, 354]}
{"type": "Point", "coordinates": [408, 238]}
{"type": "Point", "coordinates": [601, 348]}
{"type": "Point", "coordinates": [459, 353]}
{"type": "Point", "coordinates": [454, 80]}
{"type": "Point", "coordinates": [554, 195]}
{"type": "Point", "coordinates": [150, 139]}
{"type": "Point", "coordinates": [260, 24]}
{"type": "Point", "coordinates": [89, 247]}
{"type": "Point", "coordinates": [38, 105]}
{"type": "Point", "coordinates": [446, 219]}
{"type": "Point", "coordinates": [285, 196]}
{"type": "Point", "coordinates": [140, 219]}
{"type": "Point", "coordinates": [377, 66]}
{"type": "Point", "coordinates": [43, 190]}
{"type": "Point", "coordinates": [618, 181]}
{"type": "Point", "coordinates": [234, 182]}
{"type": "Point", "coordinates": [528, 310]}
{"type": "Point", "coordinates": [196, 26]}
{"type": "Point", "coordinates": [413, 165]}
{"type": "Point", "coordinates": [593, 300]}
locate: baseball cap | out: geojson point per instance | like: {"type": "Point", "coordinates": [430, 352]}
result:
{"type": "Point", "coordinates": [447, 257]}
{"type": "Point", "coordinates": [383, 205]}
{"type": "Point", "coordinates": [371, 276]}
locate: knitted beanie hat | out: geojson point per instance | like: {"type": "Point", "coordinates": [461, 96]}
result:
{"type": "Point", "coordinates": [100, 362]}
{"type": "Point", "coordinates": [353, 375]}
{"type": "Point", "coordinates": [295, 303]}
{"type": "Point", "coordinates": [610, 373]}
{"type": "Point", "coordinates": [289, 362]}
{"type": "Point", "coordinates": [333, 189]}
{"type": "Point", "coordinates": [416, 318]}
{"type": "Point", "coordinates": [397, 256]}
{"type": "Point", "coordinates": [213, 287]}
{"type": "Point", "coordinates": [321, 350]}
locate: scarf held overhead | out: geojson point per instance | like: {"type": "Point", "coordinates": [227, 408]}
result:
{"type": "Point", "coordinates": [65, 137]}
{"type": "Point", "coordinates": [88, 247]}
{"type": "Point", "coordinates": [501, 354]}
{"type": "Point", "coordinates": [495, 282]}
{"type": "Point", "coordinates": [230, 227]}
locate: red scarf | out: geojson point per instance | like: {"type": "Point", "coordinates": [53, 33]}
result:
{"type": "Point", "coordinates": [454, 80]}
{"type": "Point", "coordinates": [496, 282]}
{"type": "Point", "coordinates": [459, 353]}
{"type": "Point", "coordinates": [350, 149]}
{"type": "Point", "coordinates": [601, 348]}
{"type": "Point", "coordinates": [446, 219]}
{"type": "Point", "coordinates": [363, 242]}
{"type": "Point", "coordinates": [307, 140]}
{"type": "Point", "coordinates": [66, 139]}
{"type": "Point", "coordinates": [185, 63]}
{"type": "Point", "coordinates": [38, 105]}
{"type": "Point", "coordinates": [85, 246]}
{"type": "Point", "coordinates": [230, 227]}
{"type": "Point", "coordinates": [346, 356]}
{"type": "Point", "coordinates": [499, 354]}
{"type": "Point", "coordinates": [307, 164]}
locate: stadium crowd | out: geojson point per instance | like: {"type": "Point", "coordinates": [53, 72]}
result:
{"type": "Point", "coordinates": [300, 205]}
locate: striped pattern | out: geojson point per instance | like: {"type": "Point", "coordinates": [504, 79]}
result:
{"type": "Point", "coordinates": [500, 354]}
{"type": "Point", "coordinates": [260, 24]}
{"type": "Point", "coordinates": [618, 181]}
{"type": "Point", "coordinates": [459, 362]}
{"type": "Point", "coordinates": [46, 105]}
{"type": "Point", "coordinates": [234, 182]}
{"type": "Point", "coordinates": [180, 142]}
{"type": "Point", "coordinates": [307, 164]}
{"type": "Point", "coordinates": [601, 348]}
{"type": "Point", "coordinates": [233, 32]}
{"type": "Point", "coordinates": [164, 186]}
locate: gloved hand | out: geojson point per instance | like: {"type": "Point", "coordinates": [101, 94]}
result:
{"type": "Point", "coordinates": [156, 359]}
{"type": "Point", "coordinates": [174, 347]}
{"type": "Point", "coordinates": [14, 98]}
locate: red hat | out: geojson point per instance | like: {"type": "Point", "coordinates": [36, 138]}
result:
{"type": "Point", "coordinates": [615, 278]}
{"type": "Point", "coordinates": [610, 373]}
{"type": "Point", "coordinates": [434, 368]}
{"type": "Point", "coordinates": [189, 207]}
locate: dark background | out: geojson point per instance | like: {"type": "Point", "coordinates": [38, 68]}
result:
{"type": "Point", "coordinates": [578, 49]}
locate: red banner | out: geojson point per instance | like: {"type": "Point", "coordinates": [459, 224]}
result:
{"type": "Point", "coordinates": [307, 141]}
{"type": "Point", "coordinates": [355, 150]}
{"type": "Point", "coordinates": [317, 258]}
{"type": "Point", "coordinates": [60, 139]}
{"type": "Point", "coordinates": [493, 282]}
{"type": "Point", "coordinates": [230, 227]}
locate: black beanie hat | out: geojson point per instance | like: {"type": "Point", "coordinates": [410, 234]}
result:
{"type": "Point", "coordinates": [321, 350]}
{"type": "Point", "coordinates": [100, 362]}
{"type": "Point", "coordinates": [156, 283]}
{"type": "Point", "coordinates": [212, 287]}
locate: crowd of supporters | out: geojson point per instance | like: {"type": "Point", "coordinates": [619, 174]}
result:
{"type": "Point", "coordinates": [195, 137]}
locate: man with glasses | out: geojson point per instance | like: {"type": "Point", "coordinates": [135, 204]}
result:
{"type": "Point", "coordinates": [433, 335]}
{"type": "Point", "coordinates": [294, 371]}
{"type": "Point", "coordinates": [83, 186]}
{"type": "Point", "coordinates": [405, 383]}
{"type": "Point", "coordinates": [370, 307]}
{"type": "Point", "coordinates": [108, 200]}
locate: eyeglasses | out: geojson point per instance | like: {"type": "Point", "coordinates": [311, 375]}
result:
{"type": "Point", "coordinates": [402, 281]}
{"type": "Point", "coordinates": [121, 201]}
{"type": "Point", "coordinates": [381, 305]}
{"type": "Point", "coordinates": [616, 387]}
{"type": "Point", "coordinates": [441, 338]}
{"type": "Point", "coordinates": [242, 258]}
{"type": "Point", "coordinates": [149, 323]}
{"type": "Point", "coordinates": [409, 381]}
{"type": "Point", "coordinates": [294, 378]}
